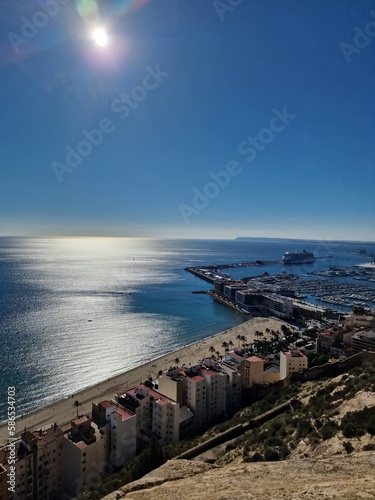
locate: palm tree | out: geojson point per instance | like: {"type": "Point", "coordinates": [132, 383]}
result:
{"type": "Point", "coordinates": [243, 340]}
{"type": "Point", "coordinates": [76, 404]}
{"type": "Point", "coordinates": [177, 361]}
{"type": "Point", "coordinates": [212, 350]}
{"type": "Point", "coordinates": [225, 345]}
{"type": "Point", "coordinates": [230, 344]}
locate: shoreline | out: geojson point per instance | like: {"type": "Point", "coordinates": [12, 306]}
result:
{"type": "Point", "coordinates": [62, 411]}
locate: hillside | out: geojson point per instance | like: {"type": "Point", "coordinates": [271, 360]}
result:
{"type": "Point", "coordinates": [349, 477]}
{"type": "Point", "coordinates": [325, 443]}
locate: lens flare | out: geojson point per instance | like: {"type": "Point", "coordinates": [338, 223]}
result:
{"type": "Point", "coordinates": [100, 37]}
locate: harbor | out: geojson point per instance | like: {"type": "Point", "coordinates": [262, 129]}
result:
{"type": "Point", "coordinates": [341, 288]}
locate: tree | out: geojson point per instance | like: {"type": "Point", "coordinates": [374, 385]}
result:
{"type": "Point", "coordinates": [177, 361]}
{"type": "Point", "coordinates": [358, 310]}
{"type": "Point", "coordinates": [212, 350]}
{"type": "Point", "coordinates": [148, 383]}
{"type": "Point", "coordinates": [76, 404]}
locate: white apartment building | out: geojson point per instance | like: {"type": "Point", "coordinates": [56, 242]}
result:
{"type": "Point", "coordinates": [122, 430]}
{"type": "Point", "coordinates": [156, 414]}
{"type": "Point", "coordinates": [292, 361]}
{"type": "Point", "coordinates": [195, 398]}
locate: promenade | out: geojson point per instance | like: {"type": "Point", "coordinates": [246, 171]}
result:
{"type": "Point", "coordinates": [64, 410]}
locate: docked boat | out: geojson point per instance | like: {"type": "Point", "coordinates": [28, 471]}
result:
{"type": "Point", "coordinates": [298, 257]}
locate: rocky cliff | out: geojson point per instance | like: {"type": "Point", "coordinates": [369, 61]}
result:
{"type": "Point", "coordinates": [340, 477]}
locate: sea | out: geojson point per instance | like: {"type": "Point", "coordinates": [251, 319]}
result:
{"type": "Point", "coordinates": [76, 311]}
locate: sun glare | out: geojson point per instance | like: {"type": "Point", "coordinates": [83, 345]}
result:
{"type": "Point", "coordinates": [100, 37]}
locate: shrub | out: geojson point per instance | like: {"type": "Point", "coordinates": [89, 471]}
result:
{"type": "Point", "coordinates": [271, 455]}
{"type": "Point", "coordinates": [369, 447]}
{"type": "Point", "coordinates": [357, 423]}
{"type": "Point", "coordinates": [328, 430]}
{"type": "Point", "coordinates": [348, 446]}
{"type": "Point", "coordinates": [257, 457]}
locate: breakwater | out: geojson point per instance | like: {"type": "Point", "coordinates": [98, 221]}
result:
{"type": "Point", "coordinates": [214, 273]}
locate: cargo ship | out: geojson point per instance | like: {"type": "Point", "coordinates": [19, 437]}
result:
{"type": "Point", "coordinates": [298, 257]}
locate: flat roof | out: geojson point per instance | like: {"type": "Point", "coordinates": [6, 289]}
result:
{"type": "Point", "coordinates": [254, 358]}
{"type": "Point", "coordinates": [158, 397]}
{"type": "Point", "coordinates": [209, 372]}
{"type": "Point", "coordinates": [80, 420]}
{"type": "Point", "coordinates": [197, 378]}
{"type": "Point", "coordinates": [120, 410]}
{"type": "Point", "coordinates": [367, 335]}
{"type": "Point", "coordinates": [294, 354]}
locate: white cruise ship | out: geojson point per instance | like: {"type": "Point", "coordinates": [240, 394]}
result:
{"type": "Point", "coordinates": [298, 257]}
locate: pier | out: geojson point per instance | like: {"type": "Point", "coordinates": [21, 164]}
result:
{"type": "Point", "coordinates": [212, 273]}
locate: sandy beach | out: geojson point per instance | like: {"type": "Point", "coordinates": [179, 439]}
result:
{"type": "Point", "coordinates": [63, 411]}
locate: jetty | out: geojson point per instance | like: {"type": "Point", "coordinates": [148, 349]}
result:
{"type": "Point", "coordinates": [214, 273]}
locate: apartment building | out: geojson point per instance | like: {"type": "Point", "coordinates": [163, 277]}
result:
{"type": "Point", "coordinates": [85, 454]}
{"type": "Point", "coordinates": [324, 341]}
{"type": "Point", "coordinates": [121, 430]}
{"type": "Point", "coordinates": [363, 340]}
{"type": "Point", "coordinates": [156, 415]}
{"type": "Point", "coordinates": [171, 384]}
{"type": "Point", "coordinates": [292, 361]}
{"type": "Point", "coordinates": [38, 464]}
{"type": "Point", "coordinates": [255, 371]}
{"type": "Point", "coordinates": [231, 383]}
{"type": "Point", "coordinates": [251, 370]}
{"type": "Point", "coordinates": [209, 389]}
{"type": "Point", "coordinates": [195, 398]}
{"type": "Point", "coordinates": [216, 393]}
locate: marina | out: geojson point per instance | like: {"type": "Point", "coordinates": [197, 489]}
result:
{"type": "Point", "coordinates": [335, 286]}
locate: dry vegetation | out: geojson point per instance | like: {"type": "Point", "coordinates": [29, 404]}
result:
{"type": "Point", "coordinates": [337, 416]}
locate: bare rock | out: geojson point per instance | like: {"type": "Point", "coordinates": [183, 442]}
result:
{"type": "Point", "coordinates": [341, 477]}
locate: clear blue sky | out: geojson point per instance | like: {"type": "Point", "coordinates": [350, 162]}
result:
{"type": "Point", "coordinates": [219, 76]}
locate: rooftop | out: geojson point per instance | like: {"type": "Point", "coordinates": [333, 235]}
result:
{"type": "Point", "coordinates": [140, 391]}
{"type": "Point", "coordinates": [197, 378]}
{"type": "Point", "coordinates": [80, 420]}
{"type": "Point", "coordinates": [254, 358]}
{"type": "Point", "coordinates": [118, 409]}
{"type": "Point", "coordinates": [365, 335]}
{"type": "Point", "coordinates": [294, 354]}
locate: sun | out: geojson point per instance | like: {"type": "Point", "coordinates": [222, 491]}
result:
{"type": "Point", "coordinates": [100, 37]}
